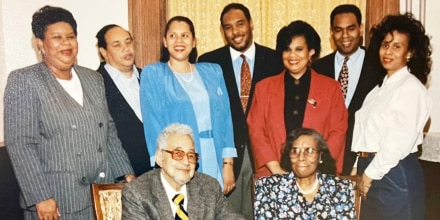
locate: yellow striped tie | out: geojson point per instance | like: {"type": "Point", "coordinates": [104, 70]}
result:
{"type": "Point", "coordinates": [180, 213]}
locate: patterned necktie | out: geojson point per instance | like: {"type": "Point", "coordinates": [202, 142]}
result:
{"type": "Point", "coordinates": [180, 213]}
{"type": "Point", "coordinates": [245, 83]}
{"type": "Point", "coordinates": [343, 77]}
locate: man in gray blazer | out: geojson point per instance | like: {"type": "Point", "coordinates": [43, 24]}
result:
{"type": "Point", "coordinates": [152, 195]}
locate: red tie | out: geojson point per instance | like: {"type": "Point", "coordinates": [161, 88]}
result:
{"type": "Point", "coordinates": [343, 77]}
{"type": "Point", "coordinates": [245, 85]}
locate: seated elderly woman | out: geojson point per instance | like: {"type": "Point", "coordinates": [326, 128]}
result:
{"type": "Point", "coordinates": [308, 190]}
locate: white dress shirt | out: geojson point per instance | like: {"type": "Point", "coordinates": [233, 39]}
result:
{"type": "Point", "coordinates": [354, 65]}
{"type": "Point", "coordinates": [390, 121]}
{"type": "Point", "coordinates": [237, 62]}
{"type": "Point", "coordinates": [171, 192]}
{"type": "Point", "coordinates": [129, 87]}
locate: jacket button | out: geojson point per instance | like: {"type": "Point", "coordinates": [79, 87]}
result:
{"type": "Point", "coordinates": [100, 149]}
{"type": "Point", "coordinates": [83, 179]}
{"type": "Point", "coordinates": [100, 124]}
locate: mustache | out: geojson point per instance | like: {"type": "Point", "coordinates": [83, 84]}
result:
{"type": "Point", "coordinates": [128, 55]}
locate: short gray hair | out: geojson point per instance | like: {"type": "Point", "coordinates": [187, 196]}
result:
{"type": "Point", "coordinates": [175, 128]}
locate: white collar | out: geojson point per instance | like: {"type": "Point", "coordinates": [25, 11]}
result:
{"type": "Point", "coordinates": [353, 56]}
{"type": "Point", "coordinates": [115, 73]}
{"type": "Point", "coordinates": [397, 76]}
{"type": "Point", "coordinates": [171, 192]}
{"type": "Point", "coordinates": [249, 53]}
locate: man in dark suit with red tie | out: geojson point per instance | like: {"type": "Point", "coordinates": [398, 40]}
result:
{"type": "Point", "coordinates": [346, 31]}
{"type": "Point", "coordinates": [262, 62]}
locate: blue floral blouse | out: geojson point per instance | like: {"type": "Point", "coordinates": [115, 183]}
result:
{"type": "Point", "coordinates": [278, 197]}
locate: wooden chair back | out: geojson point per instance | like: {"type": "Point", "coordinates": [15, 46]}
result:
{"type": "Point", "coordinates": [358, 198]}
{"type": "Point", "coordinates": [106, 200]}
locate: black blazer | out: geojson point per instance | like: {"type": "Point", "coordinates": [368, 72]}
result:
{"type": "Point", "coordinates": [130, 128]}
{"type": "Point", "coordinates": [368, 79]}
{"type": "Point", "coordinates": [267, 63]}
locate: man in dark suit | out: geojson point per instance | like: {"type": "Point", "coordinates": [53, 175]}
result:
{"type": "Point", "coordinates": [237, 28]}
{"type": "Point", "coordinates": [153, 195]}
{"type": "Point", "coordinates": [121, 80]}
{"type": "Point", "coordinates": [346, 31]}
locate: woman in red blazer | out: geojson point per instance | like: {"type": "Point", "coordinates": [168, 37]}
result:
{"type": "Point", "coordinates": [297, 97]}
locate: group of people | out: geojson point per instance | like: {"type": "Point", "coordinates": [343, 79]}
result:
{"type": "Point", "coordinates": [189, 134]}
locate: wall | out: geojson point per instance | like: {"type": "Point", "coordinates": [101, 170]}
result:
{"type": "Point", "coordinates": [426, 11]}
{"type": "Point", "coordinates": [268, 17]}
{"type": "Point", "coordinates": [433, 29]}
{"type": "Point", "coordinates": [16, 38]}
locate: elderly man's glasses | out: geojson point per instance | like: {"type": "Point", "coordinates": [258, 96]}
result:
{"type": "Point", "coordinates": [308, 151]}
{"type": "Point", "coordinates": [180, 154]}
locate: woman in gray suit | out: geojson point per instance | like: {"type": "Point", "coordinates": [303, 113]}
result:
{"type": "Point", "coordinates": [58, 130]}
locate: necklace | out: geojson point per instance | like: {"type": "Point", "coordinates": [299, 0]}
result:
{"type": "Point", "coordinates": [312, 189]}
{"type": "Point", "coordinates": [180, 75]}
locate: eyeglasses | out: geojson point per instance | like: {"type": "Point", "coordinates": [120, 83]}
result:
{"type": "Point", "coordinates": [308, 151]}
{"type": "Point", "coordinates": [179, 154]}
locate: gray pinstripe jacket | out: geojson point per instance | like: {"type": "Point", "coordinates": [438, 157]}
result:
{"type": "Point", "coordinates": [58, 147]}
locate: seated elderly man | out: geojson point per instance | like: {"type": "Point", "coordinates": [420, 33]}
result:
{"type": "Point", "coordinates": [176, 191]}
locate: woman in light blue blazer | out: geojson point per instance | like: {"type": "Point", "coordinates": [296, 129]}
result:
{"type": "Point", "coordinates": [176, 90]}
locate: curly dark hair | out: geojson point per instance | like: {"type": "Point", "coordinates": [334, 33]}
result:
{"type": "Point", "coordinates": [164, 53]}
{"type": "Point", "coordinates": [328, 164]}
{"type": "Point", "coordinates": [48, 15]}
{"type": "Point", "coordinates": [419, 43]}
{"type": "Point", "coordinates": [298, 28]}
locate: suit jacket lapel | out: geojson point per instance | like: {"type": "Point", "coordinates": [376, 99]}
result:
{"type": "Point", "coordinates": [258, 65]}
{"type": "Point", "coordinates": [365, 84]}
{"type": "Point", "coordinates": [276, 104]}
{"type": "Point", "coordinates": [195, 204]}
{"type": "Point", "coordinates": [229, 75]}
{"type": "Point", "coordinates": [331, 65]}
{"type": "Point", "coordinates": [63, 98]}
{"type": "Point", "coordinates": [160, 198]}
{"type": "Point", "coordinates": [90, 97]}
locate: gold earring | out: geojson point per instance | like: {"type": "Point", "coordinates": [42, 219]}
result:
{"type": "Point", "coordinates": [408, 58]}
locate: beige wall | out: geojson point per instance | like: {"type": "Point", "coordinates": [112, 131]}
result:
{"type": "Point", "coordinates": [432, 17]}
{"type": "Point", "coordinates": [268, 17]}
